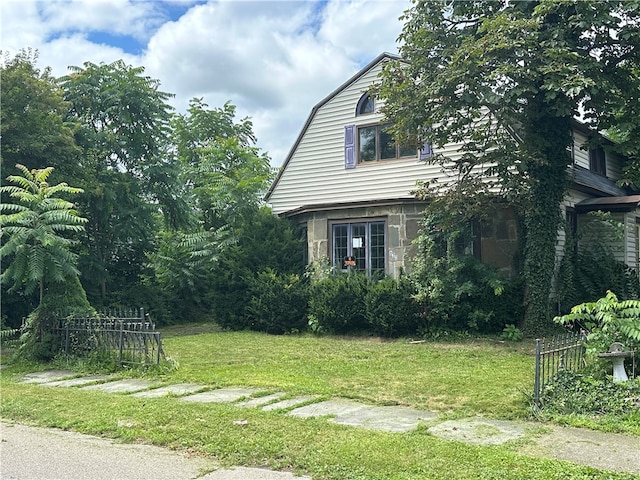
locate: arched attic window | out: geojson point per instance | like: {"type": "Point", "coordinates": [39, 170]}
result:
{"type": "Point", "coordinates": [365, 105]}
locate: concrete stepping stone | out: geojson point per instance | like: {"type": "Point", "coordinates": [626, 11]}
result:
{"type": "Point", "coordinates": [47, 376]}
{"type": "Point", "coordinates": [328, 407]}
{"type": "Point", "coordinates": [396, 419]}
{"type": "Point", "coordinates": [291, 402]}
{"type": "Point", "coordinates": [79, 381]}
{"type": "Point", "coordinates": [260, 401]}
{"type": "Point", "coordinates": [347, 412]}
{"type": "Point", "coordinates": [178, 389]}
{"type": "Point", "coordinates": [121, 386]}
{"type": "Point", "coordinates": [221, 395]}
{"type": "Point", "coordinates": [478, 431]}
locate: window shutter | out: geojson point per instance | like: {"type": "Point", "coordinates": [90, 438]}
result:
{"type": "Point", "coordinates": [350, 146]}
{"type": "Point", "coordinates": [426, 151]}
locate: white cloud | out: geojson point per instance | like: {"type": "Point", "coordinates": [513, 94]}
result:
{"type": "Point", "coordinates": [273, 59]}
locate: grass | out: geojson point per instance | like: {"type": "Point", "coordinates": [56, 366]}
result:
{"type": "Point", "coordinates": [476, 377]}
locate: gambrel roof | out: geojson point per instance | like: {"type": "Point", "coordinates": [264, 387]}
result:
{"type": "Point", "coordinates": [382, 57]}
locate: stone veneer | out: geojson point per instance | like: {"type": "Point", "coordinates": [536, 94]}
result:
{"type": "Point", "coordinates": [402, 223]}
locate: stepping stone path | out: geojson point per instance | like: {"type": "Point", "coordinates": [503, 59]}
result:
{"type": "Point", "coordinates": [121, 386]}
{"type": "Point", "coordinates": [596, 449]}
{"type": "Point", "coordinates": [341, 411]}
{"type": "Point", "coordinates": [221, 395]}
{"type": "Point", "coordinates": [480, 431]}
{"type": "Point", "coordinates": [175, 390]}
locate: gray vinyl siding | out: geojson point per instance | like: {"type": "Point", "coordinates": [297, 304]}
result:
{"type": "Point", "coordinates": [580, 155]}
{"type": "Point", "coordinates": [316, 173]}
{"type": "Point", "coordinates": [631, 239]}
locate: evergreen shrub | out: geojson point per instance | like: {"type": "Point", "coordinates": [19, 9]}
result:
{"type": "Point", "coordinates": [390, 308]}
{"type": "Point", "coordinates": [337, 304]}
{"type": "Point", "coordinates": [278, 303]}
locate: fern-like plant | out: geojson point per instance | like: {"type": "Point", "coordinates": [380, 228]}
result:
{"type": "Point", "coordinates": [34, 229]}
{"type": "Point", "coordinates": [607, 320]}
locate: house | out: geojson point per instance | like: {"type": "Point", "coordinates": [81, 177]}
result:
{"type": "Point", "coordinates": [351, 186]}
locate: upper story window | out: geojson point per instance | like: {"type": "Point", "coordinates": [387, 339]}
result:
{"type": "Point", "coordinates": [376, 143]}
{"type": "Point", "coordinates": [365, 105]}
{"type": "Point", "coordinates": [597, 161]}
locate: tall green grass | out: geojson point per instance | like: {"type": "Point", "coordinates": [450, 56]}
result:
{"type": "Point", "coordinates": [467, 378]}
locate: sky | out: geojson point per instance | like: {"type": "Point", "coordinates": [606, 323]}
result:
{"type": "Point", "coordinates": [273, 59]}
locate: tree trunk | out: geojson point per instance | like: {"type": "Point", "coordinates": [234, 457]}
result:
{"type": "Point", "coordinates": [543, 217]}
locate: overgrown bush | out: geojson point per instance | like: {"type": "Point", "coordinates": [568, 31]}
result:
{"type": "Point", "coordinates": [337, 304]}
{"type": "Point", "coordinates": [606, 321]}
{"type": "Point", "coordinates": [457, 290]}
{"type": "Point", "coordinates": [390, 308]}
{"type": "Point", "coordinates": [572, 393]}
{"type": "Point", "coordinates": [267, 242]}
{"type": "Point", "coordinates": [278, 303]}
{"type": "Point", "coordinates": [38, 342]}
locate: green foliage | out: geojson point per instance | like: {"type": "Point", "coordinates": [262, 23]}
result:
{"type": "Point", "coordinates": [277, 303]}
{"type": "Point", "coordinates": [390, 308]}
{"type": "Point", "coordinates": [35, 229]}
{"type": "Point", "coordinates": [512, 333]}
{"type": "Point", "coordinates": [32, 118]}
{"type": "Point", "coordinates": [38, 342]}
{"type": "Point", "coordinates": [505, 80]}
{"type": "Point", "coordinates": [606, 321]}
{"type": "Point", "coordinates": [125, 169]}
{"type": "Point", "coordinates": [572, 393]}
{"type": "Point", "coordinates": [337, 303]}
{"type": "Point", "coordinates": [457, 291]}
{"type": "Point", "coordinates": [227, 173]}
{"type": "Point", "coordinates": [263, 242]}
{"type": "Point", "coordinates": [589, 267]}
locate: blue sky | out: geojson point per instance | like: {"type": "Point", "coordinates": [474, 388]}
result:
{"type": "Point", "coordinates": [273, 59]}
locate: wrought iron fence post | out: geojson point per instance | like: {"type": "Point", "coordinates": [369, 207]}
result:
{"type": "Point", "coordinates": [66, 338]}
{"type": "Point", "coordinates": [120, 346]}
{"type": "Point", "coordinates": [536, 383]}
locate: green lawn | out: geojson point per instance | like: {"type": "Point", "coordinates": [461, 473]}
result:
{"type": "Point", "coordinates": [455, 379]}
{"type": "Point", "coordinates": [487, 377]}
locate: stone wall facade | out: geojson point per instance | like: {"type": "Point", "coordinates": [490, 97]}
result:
{"type": "Point", "coordinates": [402, 222]}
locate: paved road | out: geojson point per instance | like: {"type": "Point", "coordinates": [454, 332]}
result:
{"type": "Point", "coordinates": [31, 453]}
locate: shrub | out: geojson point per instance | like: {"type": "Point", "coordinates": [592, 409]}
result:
{"type": "Point", "coordinates": [512, 333]}
{"type": "Point", "coordinates": [278, 303]}
{"type": "Point", "coordinates": [337, 303]}
{"type": "Point", "coordinates": [267, 242]}
{"type": "Point", "coordinates": [390, 308]}
{"type": "Point", "coordinates": [606, 321]}
{"type": "Point", "coordinates": [572, 393]}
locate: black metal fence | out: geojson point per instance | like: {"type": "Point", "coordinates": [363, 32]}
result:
{"type": "Point", "coordinates": [128, 336]}
{"type": "Point", "coordinates": [562, 352]}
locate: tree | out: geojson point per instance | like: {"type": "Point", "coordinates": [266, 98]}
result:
{"type": "Point", "coordinates": [32, 118]}
{"type": "Point", "coordinates": [35, 229]}
{"type": "Point", "coordinates": [505, 79]}
{"type": "Point", "coordinates": [224, 168]}
{"type": "Point", "coordinates": [128, 171]}
{"type": "Point", "coordinates": [226, 175]}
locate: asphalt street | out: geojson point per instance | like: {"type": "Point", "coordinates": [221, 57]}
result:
{"type": "Point", "coordinates": [32, 453]}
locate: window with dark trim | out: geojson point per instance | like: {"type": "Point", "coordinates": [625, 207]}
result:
{"type": "Point", "coordinates": [376, 143]}
{"type": "Point", "coordinates": [597, 161]}
{"type": "Point", "coordinates": [365, 105]}
{"type": "Point", "coordinates": [364, 241]}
